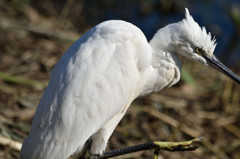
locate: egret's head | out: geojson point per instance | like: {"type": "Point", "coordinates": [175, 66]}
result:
{"type": "Point", "coordinates": [195, 43]}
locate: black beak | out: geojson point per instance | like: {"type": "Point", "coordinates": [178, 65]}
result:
{"type": "Point", "coordinates": [215, 63]}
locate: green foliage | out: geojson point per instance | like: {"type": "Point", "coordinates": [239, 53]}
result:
{"type": "Point", "coordinates": [187, 77]}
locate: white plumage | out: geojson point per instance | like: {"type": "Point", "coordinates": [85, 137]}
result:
{"type": "Point", "coordinates": [95, 81]}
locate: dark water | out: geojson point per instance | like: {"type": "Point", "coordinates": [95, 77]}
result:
{"type": "Point", "coordinates": [220, 17]}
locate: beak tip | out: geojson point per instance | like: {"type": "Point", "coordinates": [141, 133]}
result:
{"type": "Point", "coordinates": [215, 63]}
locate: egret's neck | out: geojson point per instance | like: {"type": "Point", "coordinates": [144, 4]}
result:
{"type": "Point", "coordinates": [166, 38]}
{"type": "Point", "coordinates": [166, 66]}
{"type": "Point", "coordinates": [164, 49]}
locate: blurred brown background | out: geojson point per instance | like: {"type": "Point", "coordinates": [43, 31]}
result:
{"type": "Point", "coordinates": [35, 33]}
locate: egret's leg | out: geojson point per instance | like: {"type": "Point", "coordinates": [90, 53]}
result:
{"type": "Point", "coordinates": [100, 139]}
{"type": "Point", "coordinates": [86, 154]}
{"type": "Point", "coordinates": [157, 145]}
{"type": "Point", "coordinates": [156, 153]}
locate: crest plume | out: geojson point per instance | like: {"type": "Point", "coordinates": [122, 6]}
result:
{"type": "Point", "coordinates": [196, 34]}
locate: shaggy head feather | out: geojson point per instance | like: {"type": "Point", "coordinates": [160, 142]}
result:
{"type": "Point", "coordinates": [197, 35]}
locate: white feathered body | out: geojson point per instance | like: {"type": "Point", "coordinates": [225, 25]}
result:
{"type": "Point", "coordinates": [91, 87]}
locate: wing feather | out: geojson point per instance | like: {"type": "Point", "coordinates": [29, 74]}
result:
{"type": "Point", "coordinates": [91, 82]}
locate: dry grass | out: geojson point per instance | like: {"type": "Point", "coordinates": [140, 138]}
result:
{"type": "Point", "coordinates": [30, 46]}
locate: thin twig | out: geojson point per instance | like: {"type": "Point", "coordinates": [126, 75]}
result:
{"type": "Point", "coordinates": [37, 29]}
{"type": "Point", "coordinates": [171, 121]}
{"type": "Point", "coordinates": [184, 129]}
{"type": "Point", "coordinates": [20, 80]}
{"type": "Point", "coordinates": [11, 143]}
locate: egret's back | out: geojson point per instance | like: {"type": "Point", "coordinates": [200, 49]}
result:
{"type": "Point", "coordinates": [93, 81]}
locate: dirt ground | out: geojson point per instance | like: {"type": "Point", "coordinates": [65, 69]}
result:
{"type": "Point", "coordinates": [206, 105]}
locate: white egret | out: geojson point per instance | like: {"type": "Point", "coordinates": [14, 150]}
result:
{"type": "Point", "coordinates": [95, 81]}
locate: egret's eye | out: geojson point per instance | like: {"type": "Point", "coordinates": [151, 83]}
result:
{"type": "Point", "coordinates": [199, 50]}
